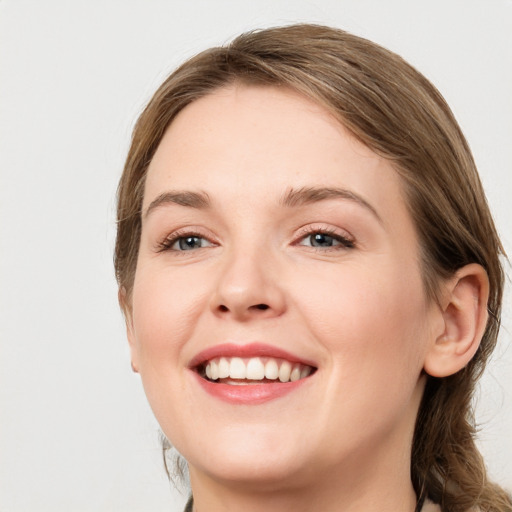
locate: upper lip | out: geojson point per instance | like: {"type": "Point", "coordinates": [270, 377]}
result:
{"type": "Point", "coordinates": [255, 349]}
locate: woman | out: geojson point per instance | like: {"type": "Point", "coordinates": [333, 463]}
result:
{"type": "Point", "coordinates": [310, 277]}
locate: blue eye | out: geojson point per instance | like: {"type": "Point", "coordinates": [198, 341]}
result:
{"type": "Point", "coordinates": [180, 242]}
{"type": "Point", "coordinates": [188, 243]}
{"type": "Point", "coordinates": [319, 239]}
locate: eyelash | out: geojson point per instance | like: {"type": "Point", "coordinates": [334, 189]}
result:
{"type": "Point", "coordinates": [344, 241]}
{"type": "Point", "coordinates": [167, 243]}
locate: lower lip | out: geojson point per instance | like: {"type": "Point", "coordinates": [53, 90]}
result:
{"type": "Point", "coordinates": [249, 394]}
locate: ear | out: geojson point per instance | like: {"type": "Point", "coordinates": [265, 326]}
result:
{"type": "Point", "coordinates": [464, 311]}
{"type": "Point", "coordinates": [125, 304]}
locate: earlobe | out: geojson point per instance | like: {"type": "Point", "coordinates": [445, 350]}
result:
{"type": "Point", "coordinates": [464, 311]}
{"type": "Point", "coordinates": [128, 318]}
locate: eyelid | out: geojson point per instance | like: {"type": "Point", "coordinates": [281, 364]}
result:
{"type": "Point", "coordinates": [341, 235]}
{"type": "Point", "coordinates": [166, 243]}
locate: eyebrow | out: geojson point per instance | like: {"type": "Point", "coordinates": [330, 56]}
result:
{"type": "Point", "coordinates": [291, 198]}
{"type": "Point", "coordinates": [306, 195]}
{"type": "Point", "coordinates": [198, 200]}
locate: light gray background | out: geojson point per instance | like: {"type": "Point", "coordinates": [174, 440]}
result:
{"type": "Point", "coordinates": [76, 433]}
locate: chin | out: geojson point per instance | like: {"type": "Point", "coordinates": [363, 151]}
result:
{"type": "Point", "coordinates": [263, 459]}
{"type": "Point", "coordinates": [262, 475]}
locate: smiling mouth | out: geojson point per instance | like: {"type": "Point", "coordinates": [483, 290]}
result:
{"type": "Point", "coordinates": [239, 371]}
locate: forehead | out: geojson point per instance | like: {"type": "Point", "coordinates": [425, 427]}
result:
{"type": "Point", "coordinates": [258, 141]}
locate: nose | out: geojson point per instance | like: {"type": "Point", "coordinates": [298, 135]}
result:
{"type": "Point", "coordinates": [248, 287]}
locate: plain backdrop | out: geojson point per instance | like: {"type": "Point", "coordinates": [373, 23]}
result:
{"type": "Point", "coordinates": [76, 433]}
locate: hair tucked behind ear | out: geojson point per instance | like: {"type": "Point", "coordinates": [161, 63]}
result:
{"type": "Point", "coordinates": [396, 112]}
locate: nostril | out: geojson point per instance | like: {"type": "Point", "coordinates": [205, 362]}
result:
{"type": "Point", "coordinates": [261, 307]}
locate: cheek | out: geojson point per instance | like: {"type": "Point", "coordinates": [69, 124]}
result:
{"type": "Point", "coordinates": [165, 309]}
{"type": "Point", "coordinates": [165, 312]}
{"type": "Point", "coordinates": [370, 317]}
{"type": "Point", "coordinates": [372, 326]}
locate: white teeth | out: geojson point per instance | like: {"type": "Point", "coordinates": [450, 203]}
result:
{"type": "Point", "coordinates": [223, 368]}
{"type": "Point", "coordinates": [295, 375]}
{"type": "Point", "coordinates": [306, 370]}
{"type": "Point", "coordinates": [284, 371]}
{"type": "Point", "coordinates": [236, 370]}
{"type": "Point", "coordinates": [214, 370]}
{"type": "Point", "coordinates": [255, 369]}
{"type": "Point", "coordinates": [271, 369]}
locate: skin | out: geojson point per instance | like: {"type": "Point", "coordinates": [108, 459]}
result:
{"type": "Point", "coordinates": [342, 440]}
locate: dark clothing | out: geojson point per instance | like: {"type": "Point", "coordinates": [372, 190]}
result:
{"type": "Point", "coordinates": [429, 506]}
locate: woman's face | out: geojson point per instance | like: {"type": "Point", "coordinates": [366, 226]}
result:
{"type": "Point", "coordinates": [276, 247]}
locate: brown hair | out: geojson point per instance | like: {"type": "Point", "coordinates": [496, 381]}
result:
{"type": "Point", "coordinates": [396, 112]}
